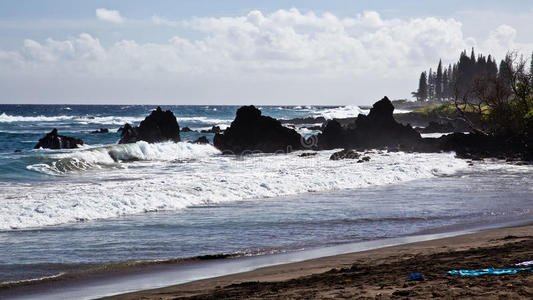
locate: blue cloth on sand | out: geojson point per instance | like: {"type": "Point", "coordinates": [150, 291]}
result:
{"type": "Point", "coordinates": [488, 271]}
{"type": "Point", "coordinates": [415, 276]}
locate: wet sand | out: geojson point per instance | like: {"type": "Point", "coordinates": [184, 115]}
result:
{"type": "Point", "coordinates": [381, 273]}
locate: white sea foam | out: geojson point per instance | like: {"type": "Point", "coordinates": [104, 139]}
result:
{"type": "Point", "coordinates": [434, 134]}
{"type": "Point", "coordinates": [349, 111]}
{"type": "Point", "coordinates": [204, 120]}
{"type": "Point", "coordinates": [341, 112]}
{"type": "Point", "coordinates": [306, 132]}
{"type": "Point", "coordinates": [98, 157]}
{"type": "Point", "coordinates": [5, 118]}
{"type": "Point", "coordinates": [114, 120]}
{"type": "Point", "coordinates": [166, 184]}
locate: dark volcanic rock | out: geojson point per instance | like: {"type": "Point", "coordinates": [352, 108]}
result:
{"type": "Point", "coordinates": [159, 126]}
{"type": "Point", "coordinates": [363, 159]}
{"type": "Point", "coordinates": [101, 130]}
{"type": "Point", "coordinates": [314, 127]}
{"type": "Point", "coordinates": [345, 154]}
{"type": "Point", "coordinates": [186, 129]}
{"type": "Point", "coordinates": [436, 127]}
{"type": "Point", "coordinates": [52, 140]}
{"type": "Point", "coordinates": [307, 154]}
{"type": "Point", "coordinates": [214, 129]}
{"type": "Point", "coordinates": [308, 120]}
{"type": "Point", "coordinates": [418, 119]}
{"type": "Point", "coordinates": [201, 140]}
{"type": "Point", "coordinates": [334, 136]}
{"type": "Point", "coordinates": [377, 130]}
{"type": "Point", "coordinates": [252, 132]}
{"type": "Point", "coordinates": [478, 146]}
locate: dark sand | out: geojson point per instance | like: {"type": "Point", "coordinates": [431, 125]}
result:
{"type": "Point", "coordinates": [381, 273]}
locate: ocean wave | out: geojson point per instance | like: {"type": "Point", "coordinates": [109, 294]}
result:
{"type": "Point", "coordinates": [107, 120]}
{"type": "Point", "coordinates": [306, 132]}
{"type": "Point", "coordinates": [155, 185]}
{"type": "Point", "coordinates": [98, 157]}
{"type": "Point", "coordinates": [342, 112]}
{"type": "Point", "coordinates": [115, 120]}
{"type": "Point", "coordinates": [204, 120]}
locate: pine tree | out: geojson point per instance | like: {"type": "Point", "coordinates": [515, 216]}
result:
{"type": "Point", "coordinates": [465, 68]}
{"type": "Point", "coordinates": [454, 84]}
{"type": "Point", "coordinates": [505, 73]}
{"type": "Point", "coordinates": [445, 83]}
{"type": "Point", "coordinates": [422, 93]}
{"type": "Point", "coordinates": [480, 68]}
{"type": "Point", "coordinates": [448, 91]}
{"type": "Point", "coordinates": [431, 85]}
{"type": "Point", "coordinates": [492, 68]}
{"type": "Point", "coordinates": [423, 87]}
{"type": "Point", "coordinates": [438, 82]}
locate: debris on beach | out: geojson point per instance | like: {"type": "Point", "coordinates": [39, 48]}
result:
{"type": "Point", "coordinates": [525, 263]}
{"type": "Point", "coordinates": [489, 271]}
{"type": "Point", "coordinates": [416, 276]}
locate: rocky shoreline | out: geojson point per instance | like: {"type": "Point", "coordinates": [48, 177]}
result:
{"type": "Point", "coordinates": [251, 132]}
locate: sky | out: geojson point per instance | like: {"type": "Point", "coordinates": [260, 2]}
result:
{"type": "Point", "coordinates": [242, 52]}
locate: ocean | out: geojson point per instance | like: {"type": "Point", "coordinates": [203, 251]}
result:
{"type": "Point", "coordinates": [105, 204]}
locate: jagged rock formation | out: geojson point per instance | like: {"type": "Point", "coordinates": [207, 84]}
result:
{"type": "Point", "coordinates": [52, 140]}
{"type": "Point", "coordinates": [376, 130]}
{"type": "Point", "coordinates": [159, 126]}
{"type": "Point", "coordinates": [252, 132]}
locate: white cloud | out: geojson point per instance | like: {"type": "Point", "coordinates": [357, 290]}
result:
{"type": "Point", "coordinates": [108, 15]}
{"type": "Point", "coordinates": [286, 56]}
{"type": "Point", "coordinates": [158, 20]}
{"type": "Point", "coordinates": [502, 39]}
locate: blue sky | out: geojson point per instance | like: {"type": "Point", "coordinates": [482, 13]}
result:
{"type": "Point", "coordinates": [235, 52]}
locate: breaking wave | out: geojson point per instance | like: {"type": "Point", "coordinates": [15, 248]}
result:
{"type": "Point", "coordinates": [64, 163]}
{"type": "Point", "coordinates": [341, 112]}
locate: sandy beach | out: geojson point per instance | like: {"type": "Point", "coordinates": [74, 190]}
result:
{"type": "Point", "coordinates": [381, 273]}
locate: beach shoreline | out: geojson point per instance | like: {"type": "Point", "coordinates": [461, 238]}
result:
{"type": "Point", "coordinates": [305, 277]}
{"type": "Point", "coordinates": [194, 278]}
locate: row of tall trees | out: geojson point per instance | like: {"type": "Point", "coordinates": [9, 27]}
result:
{"type": "Point", "coordinates": [493, 100]}
{"type": "Point", "coordinates": [504, 101]}
{"type": "Point", "coordinates": [447, 81]}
